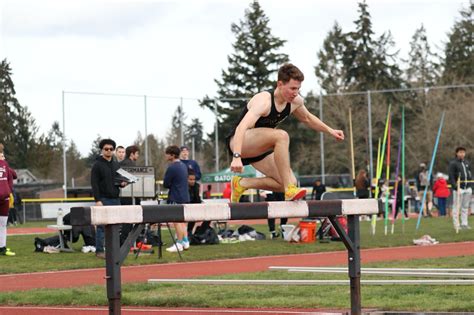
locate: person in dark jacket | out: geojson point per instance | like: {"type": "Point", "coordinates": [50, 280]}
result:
{"type": "Point", "coordinates": [362, 185]}
{"type": "Point", "coordinates": [105, 186]}
{"type": "Point", "coordinates": [194, 197]}
{"type": "Point", "coordinates": [176, 180]}
{"type": "Point", "coordinates": [424, 183]}
{"type": "Point", "coordinates": [460, 173]}
{"type": "Point", "coordinates": [318, 190]}
{"type": "Point", "coordinates": [191, 164]}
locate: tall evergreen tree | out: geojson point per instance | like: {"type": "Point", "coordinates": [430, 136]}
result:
{"type": "Point", "coordinates": [194, 130]}
{"type": "Point", "coordinates": [459, 50]}
{"type": "Point", "coordinates": [368, 62]}
{"type": "Point", "coordinates": [177, 124]}
{"type": "Point", "coordinates": [18, 130]}
{"type": "Point", "coordinates": [251, 66]}
{"type": "Point", "coordinates": [47, 154]}
{"type": "Point", "coordinates": [94, 151]}
{"type": "Point", "coordinates": [423, 67]}
{"type": "Point", "coordinates": [330, 68]}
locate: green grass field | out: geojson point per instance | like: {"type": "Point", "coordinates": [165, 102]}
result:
{"type": "Point", "coordinates": [29, 261]}
{"type": "Point", "coordinates": [395, 297]}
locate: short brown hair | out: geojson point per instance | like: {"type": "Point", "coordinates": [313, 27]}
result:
{"type": "Point", "coordinates": [131, 149]}
{"type": "Point", "coordinates": [173, 150]}
{"type": "Point", "coordinates": [289, 71]}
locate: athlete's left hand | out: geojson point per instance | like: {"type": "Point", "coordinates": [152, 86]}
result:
{"type": "Point", "coordinates": [338, 134]}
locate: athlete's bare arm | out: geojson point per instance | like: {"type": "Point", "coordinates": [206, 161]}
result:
{"type": "Point", "coordinates": [302, 114]}
{"type": "Point", "coordinates": [258, 106]}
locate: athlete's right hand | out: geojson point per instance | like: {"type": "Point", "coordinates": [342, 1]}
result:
{"type": "Point", "coordinates": [236, 166]}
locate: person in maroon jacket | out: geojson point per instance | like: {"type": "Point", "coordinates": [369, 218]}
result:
{"type": "Point", "coordinates": [441, 192]}
{"type": "Point", "coordinates": [6, 187]}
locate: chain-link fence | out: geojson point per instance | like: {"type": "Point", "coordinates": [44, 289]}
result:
{"type": "Point", "coordinates": [423, 109]}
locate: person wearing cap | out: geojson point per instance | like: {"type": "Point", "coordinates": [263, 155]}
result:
{"type": "Point", "coordinates": [191, 164]}
{"type": "Point", "coordinates": [441, 193]}
{"type": "Point", "coordinates": [422, 181]}
{"type": "Point", "coordinates": [460, 170]}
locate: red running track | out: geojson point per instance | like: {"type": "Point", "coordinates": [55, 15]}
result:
{"type": "Point", "coordinates": [80, 277]}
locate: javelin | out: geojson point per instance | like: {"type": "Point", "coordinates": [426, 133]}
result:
{"type": "Point", "coordinates": [430, 170]}
{"type": "Point", "coordinates": [379, 168]}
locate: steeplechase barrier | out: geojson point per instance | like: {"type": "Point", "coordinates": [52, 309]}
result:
{"type": "Point", "coordinates": [113, 216]}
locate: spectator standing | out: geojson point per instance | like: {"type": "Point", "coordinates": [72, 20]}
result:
{"type": "Point", "coordinates": [441, 192]}
{"type": "Point", "coordinates": [422, 181]}
{"type": "Point", "coordinates": [208, 194]}
{"type": "Point", "coordinates": [6, 188]}
{"type": "Point", "coordinates": [460, 169]}
{"type": "Point", "coordinates": [176, 180]}
{"type": "Point", "coordinates": [400, 201]}
{"type": "Point", "coordinates": [362, 185]}
{"type": "Point", "coordinates": [191, 164]}
{"type": "Point", "coordinates": [318, 190]}
{"type": "Point", "coordinates": [132, 153]}
{"type": "Point", "coordinates": [13, 211]}
{"type": "Point", "coordinates": [227, 191]}
{"type": "Point", "coordinates": [120, 153]}
{"type": "Point", "coordinates": [105, 187]}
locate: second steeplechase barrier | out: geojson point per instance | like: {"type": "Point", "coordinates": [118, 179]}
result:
{"type": "Point", "coordinates": [113, 216]}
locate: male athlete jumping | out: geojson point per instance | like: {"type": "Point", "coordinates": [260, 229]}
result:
{"type": "Point", "coordinates": [255, 141]}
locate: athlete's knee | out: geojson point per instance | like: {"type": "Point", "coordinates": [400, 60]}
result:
{"type": "Point", "coordinates": [282, 135]}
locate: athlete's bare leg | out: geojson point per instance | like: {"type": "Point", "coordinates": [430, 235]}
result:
{"type": "Point", "coordinates": [272, 181]}
{"type": "Point", "coordinates": [260, 140]}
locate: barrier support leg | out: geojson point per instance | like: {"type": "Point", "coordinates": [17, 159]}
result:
{"type": "Point", "coordinates": [352, 242]}
{"type": "Point", "coordinates": [112, 268]}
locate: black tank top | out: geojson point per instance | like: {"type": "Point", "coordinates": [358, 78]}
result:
{"type": "Point", "coordinates": [272, 120]}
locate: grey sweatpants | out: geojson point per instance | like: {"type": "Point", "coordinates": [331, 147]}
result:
{"type": "Point", "coordinates": [461, 201]}
{"type": "Point", "coordinates": [3, 231]}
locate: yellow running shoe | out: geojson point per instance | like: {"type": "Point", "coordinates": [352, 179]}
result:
{"type": "Point", "coordinates": [237, 190]}
{"type": "Point", "coordinates": [6, 252]}
{"type": "Point", "coordinates": [294, 193]}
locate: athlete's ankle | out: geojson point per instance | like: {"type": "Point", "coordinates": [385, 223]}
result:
{"type": "Point", "coordinates": [242, 183]}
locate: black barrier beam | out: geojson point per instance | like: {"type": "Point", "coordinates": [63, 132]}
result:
{"type": "Point", "coordinates": [352, 243]}
{"type": "Point", "coordinates": [112, 267]}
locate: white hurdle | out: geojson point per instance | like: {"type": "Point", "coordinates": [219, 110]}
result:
{"type": "Point", "coordinates": [112, 217]}
{"type": "Point", "coordinates": [409, 272]}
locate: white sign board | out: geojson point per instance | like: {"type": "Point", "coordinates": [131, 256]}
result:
{"type": "Point", "coordinates": [145, 186]}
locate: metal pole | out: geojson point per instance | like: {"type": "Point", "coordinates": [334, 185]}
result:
{"type": "Point", "coordinates": [217, 137]}
{"type": "Point", "coordinates": [193, 148]}
{"type": "Point", "coordinates": [371, 159]}
{"type": "Point", "coordinates": [24, 212]}
{"type": "Point", "coordinates": [64, 149]}
{"type": "Point", "coordinates": [321, 139]}
{"type": "Point", "coordinates": [181, 121]}
{"type": "Point", "coordinates": [146, 131]}
{"type": "Point", "coordinates": [354, 264]}
{"type": "Point", "coordinates": [112, 268]}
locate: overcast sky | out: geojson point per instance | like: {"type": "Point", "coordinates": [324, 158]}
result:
{"type": "Point", "coordinates": [170, 49]}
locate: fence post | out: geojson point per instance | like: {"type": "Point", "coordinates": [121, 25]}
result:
{"type": "Point", "coordinates": [321, 139]}
{"type": "Point", "coordinates": [371, 159]}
